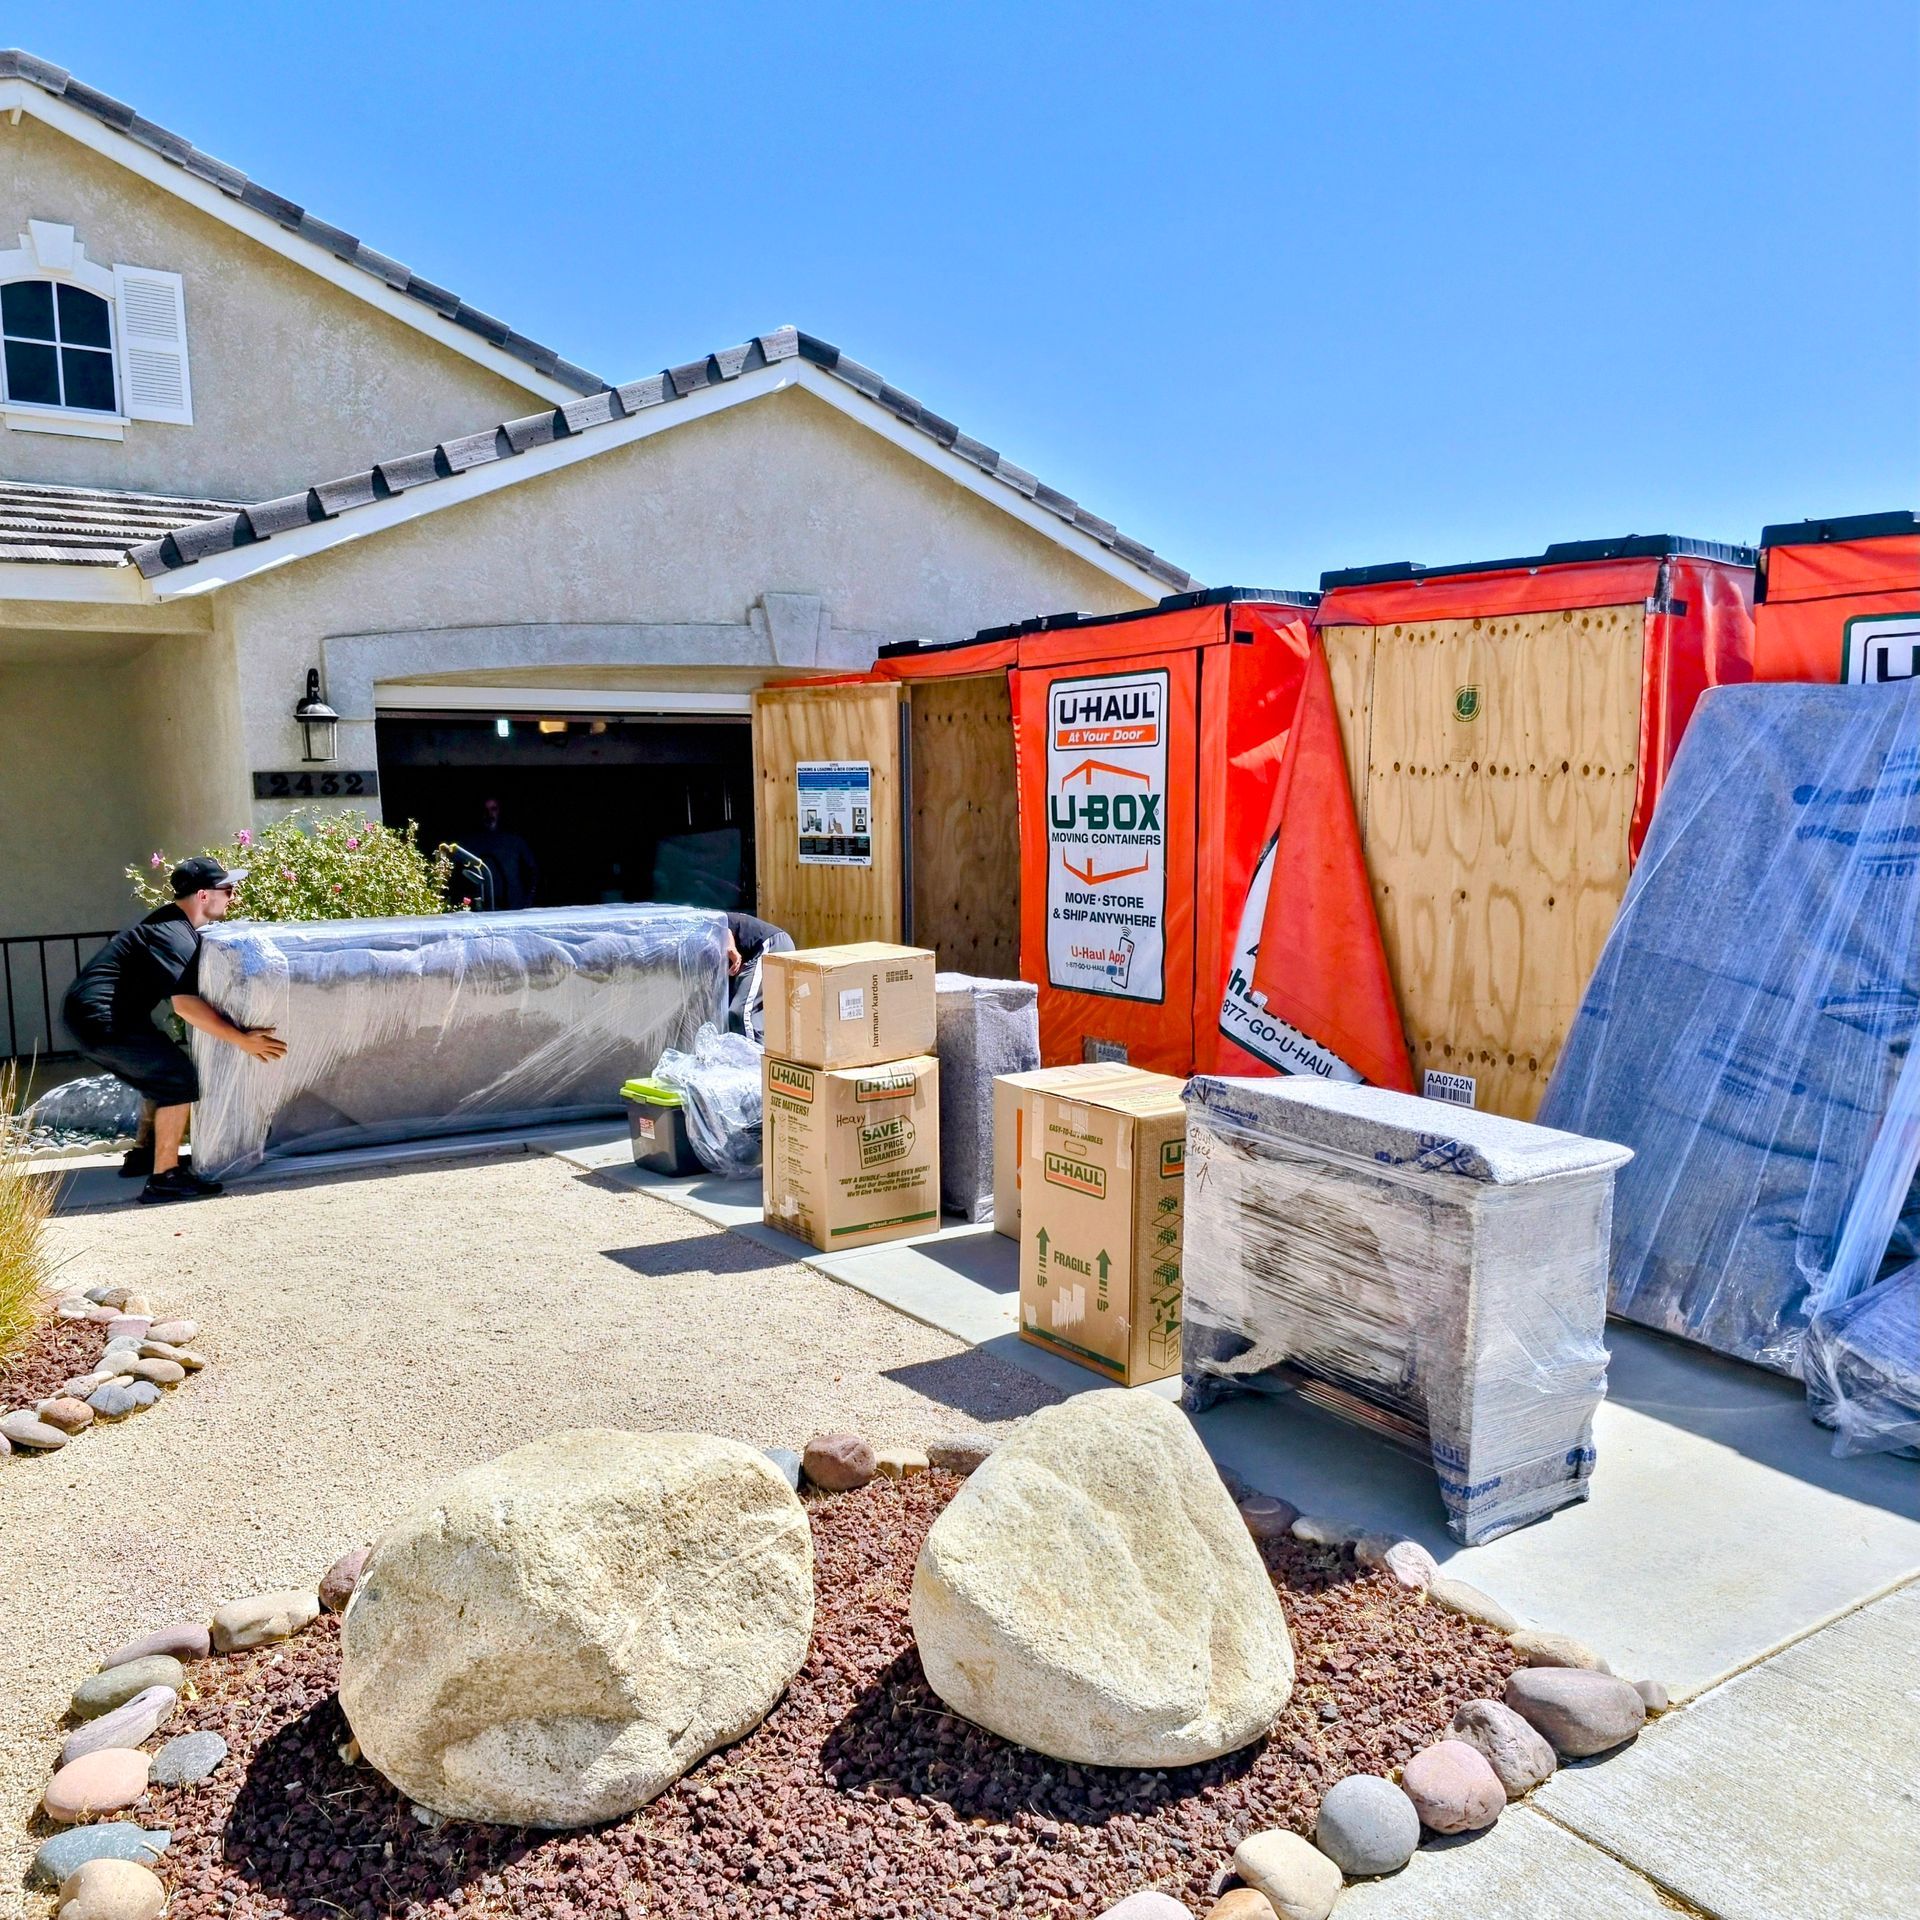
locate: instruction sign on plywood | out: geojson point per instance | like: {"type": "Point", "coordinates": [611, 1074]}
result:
{"type": "Point", "coordinates": [1107, 835]}
{"type": "Point", "coordinates": [836, 812]}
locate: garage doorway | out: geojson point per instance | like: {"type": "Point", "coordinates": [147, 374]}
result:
{"type": "Point", "coordinates": [611, 806]}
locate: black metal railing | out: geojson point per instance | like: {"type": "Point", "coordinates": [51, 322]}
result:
{"type": "Point", "coordinates": [36, 970]}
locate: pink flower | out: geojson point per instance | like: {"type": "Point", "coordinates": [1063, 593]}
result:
{"type": "Point", "coordinates": [243, 838]}
{"type": "Point", "coordinates": [353, 845]}
{"type": "Point", "coordinates": [336, 886]}
{"type": "Point", "coordinates": [156, 861]}
{"type": "Point", "coordinates": [286, 873]}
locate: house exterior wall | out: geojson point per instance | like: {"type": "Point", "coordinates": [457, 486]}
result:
{"type": "Point", "coordinates": [294, 381]}
{"type": "Point", "coordinates": [674, 552]}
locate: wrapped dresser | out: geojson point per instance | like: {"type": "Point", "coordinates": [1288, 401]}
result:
{"type": "Point", "coordinates": [1435, 1273]}
{"type": "Point", "coordinates": [985, 1028]}
{"type": "Point", "coordinates": [407, 1028]}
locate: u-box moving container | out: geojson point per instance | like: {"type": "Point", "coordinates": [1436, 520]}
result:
{"type": "Point", "coordinates": [1839, 600]}
{"type": "Point", "coordinates": [1507, 727]}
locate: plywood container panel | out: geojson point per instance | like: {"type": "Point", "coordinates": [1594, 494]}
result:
{"type": "Point", "coordinates": [966, 825]}
{"type": "Point", "coordinates": [822, 906]}
{"type": "Point", "coordinates": [1499, 764]}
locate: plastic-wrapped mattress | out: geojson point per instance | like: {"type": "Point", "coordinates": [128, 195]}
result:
{"type": "Point", "coordinates": [408, 1028]}
{"type": "Point", "coordinates": [1751, 1016]}
{"type": "Point", "coordinates": [1434, 1273]}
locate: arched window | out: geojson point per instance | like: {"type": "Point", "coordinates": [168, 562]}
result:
{"type": "Point", "coordinates": [58, 341]}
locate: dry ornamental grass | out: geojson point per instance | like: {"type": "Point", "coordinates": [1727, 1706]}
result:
{"type": "Point", "coordinates": [26, 1203]}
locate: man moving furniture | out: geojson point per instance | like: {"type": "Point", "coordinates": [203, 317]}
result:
{"type": "Point", "coordinates": [109, 1011]}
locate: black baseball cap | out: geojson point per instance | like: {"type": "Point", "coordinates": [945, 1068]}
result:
{"type": "Point", "coordinates": [203, 871]}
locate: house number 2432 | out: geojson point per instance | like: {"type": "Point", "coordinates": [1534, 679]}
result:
{"type": "Point", "coordinates": [330, 785]}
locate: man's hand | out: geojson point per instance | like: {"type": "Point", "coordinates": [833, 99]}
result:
{"type": "Point", "coordinates": [733, 954]}
{"type": "Point", "coordinates": [263, 1043]}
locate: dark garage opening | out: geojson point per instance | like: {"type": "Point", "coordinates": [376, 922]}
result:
{"type": "Point", "coordinates": [613, 807]}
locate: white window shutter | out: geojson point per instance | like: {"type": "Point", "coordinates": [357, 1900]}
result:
{"type": "Point", "coordinates": [150, 312]}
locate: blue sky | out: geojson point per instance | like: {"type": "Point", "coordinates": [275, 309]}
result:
{"type": "Point", "coordinates": [1276, 288]}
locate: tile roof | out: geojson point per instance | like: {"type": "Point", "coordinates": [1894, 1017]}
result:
{"type": "Point", "coordinates": [15, 64]}
{"type": "Point", "coordinates": [185, 545]}
{"type": "Point", "coordinates": [90, 526]}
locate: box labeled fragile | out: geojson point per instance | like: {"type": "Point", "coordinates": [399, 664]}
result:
{"type": "Point", "coordinates": [1102, 1187]}
{"type": "Point", "coordinates": [851, 1155]}
{"type": "Point", "coordinates": [1010, 1091]}
{"type": "Point", "coordinates": [848, 1006]}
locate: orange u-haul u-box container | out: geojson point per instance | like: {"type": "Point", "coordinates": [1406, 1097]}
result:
{"type": "Point", "coordinates": [1156, 754]}
{"type": "Point", "coordinates": [1839, 600]}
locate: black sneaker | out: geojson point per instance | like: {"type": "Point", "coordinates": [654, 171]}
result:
{"type": "Point", "coordinates": [177, 1183]}
{"type": "Point", "coordinates": [136, 1163]}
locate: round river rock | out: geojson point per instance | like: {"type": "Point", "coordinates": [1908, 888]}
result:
{"type": "Point", "coordinates": [1453, 1788]}
{"type": "Point", "coordinates": [1579, 1711]}
{"type": "Point", "coordinates": [1518, 1754]}
{"type": "Point", "coordinates": [1367, 1826]}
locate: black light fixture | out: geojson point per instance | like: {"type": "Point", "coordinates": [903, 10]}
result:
{"type": "Point", "coordinates": [319, 724]}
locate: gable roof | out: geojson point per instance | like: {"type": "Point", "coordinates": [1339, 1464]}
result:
{"type": "Point", "coordinates": [305, 521]}
{"type": "Point", "coordinates": [239, 192]}
{"type": "Point", "coordinates": [90, 526]}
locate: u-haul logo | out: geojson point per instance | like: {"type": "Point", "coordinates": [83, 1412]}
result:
{"type": "Point", "coordinates": [883, 1086]}
{"type": "Point", "coordinates": [1880, 648]}
{"type": "Point", "coordinates": [1076, 1176]}
{"type": "Point", "coordinates": [1173, 1158]}
{"type": "Point", "coordinates": [795, 1082]}
{"type": "Point", "coordinates": [1127, 715]}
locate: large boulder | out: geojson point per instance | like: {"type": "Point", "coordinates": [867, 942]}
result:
{"type": "Point", "coordinates": [567, 1629]}
{"type": "Point", "coordinates": [1093, 1593]}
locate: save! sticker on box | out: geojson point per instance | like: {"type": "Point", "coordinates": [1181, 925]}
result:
{"type": "Point", "coordinates": [1107, 834]}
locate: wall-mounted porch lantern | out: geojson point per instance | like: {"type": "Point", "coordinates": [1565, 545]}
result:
{"type": "Point", "coordinates": [319, 724]}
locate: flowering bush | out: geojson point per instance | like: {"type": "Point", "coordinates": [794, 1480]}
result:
{"type": "Point", "coordinates": [325, 866]}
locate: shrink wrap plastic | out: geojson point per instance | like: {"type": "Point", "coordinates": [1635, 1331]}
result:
{"type": "Point", "coordinates": [1862, 1362]}
{"type": "Point", "coordinates": [719, 1085]}
{"type": "Point", "coordinates": [984, 1028]}
{"type": "Point", "coordinates": [412, 1027]}
{"type": "Point", "coordinates": [1749, 1028]}
{"type": "Point", "coordinates": [1434, 1273]}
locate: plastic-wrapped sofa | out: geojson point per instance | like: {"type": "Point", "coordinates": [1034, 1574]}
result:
{"type": "Point", "coordinates": [1749, 1028]}
{"type": "Point", "coordinates": [407, 1028]}
{"type": "Point", "coordinates": [1434, 1273]}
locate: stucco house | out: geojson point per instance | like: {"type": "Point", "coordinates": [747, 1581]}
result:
{"type": "Point", "coordinates": [239, 446]}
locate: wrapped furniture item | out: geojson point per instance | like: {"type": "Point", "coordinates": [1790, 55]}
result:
{"type": "Point", "coordinates": [404, 1028]}
{"type": "Point", "coordinates": [1433, 1272]}
{"type": "Point", "coordinates": [1862, 1362]}
{"type": "Point", "coordinates": [719, 1084]}
{"type": "Point", "coordinates": [1748, 1029]}
{"type": "Point", "coordinates": [983, 1028]}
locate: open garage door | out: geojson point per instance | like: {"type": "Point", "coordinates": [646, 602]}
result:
{"type": "Point", "coordinates": [589, 803]}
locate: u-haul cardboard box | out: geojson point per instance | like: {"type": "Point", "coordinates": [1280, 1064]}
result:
{"type": "Point", "coordinates": [1102, 1185]}
{"type": "Point", "coordinates": [849, 1006]}
{"type": "Point", "coordinates": [851, 1155]}
{"type": "Point", "coordinates": [1010, 1092]}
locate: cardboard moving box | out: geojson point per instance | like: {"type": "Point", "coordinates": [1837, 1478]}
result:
{"type": "Point", "coordinates": [1103, 1182]}
{"type": "Point", "coordinates": [1010, 1091]}
{"type": "Point", "coordinates": [851, 1006]}
{"type": "Point", "coordinates": [851, 1155]}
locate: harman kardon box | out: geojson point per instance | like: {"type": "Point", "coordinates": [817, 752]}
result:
{"type": "Point", "coordinates": [1102, 1187]}
{"type": "Point", "coordinates": [851, 1155]}
{"type": "Point", "coordinates": [849, 1006]}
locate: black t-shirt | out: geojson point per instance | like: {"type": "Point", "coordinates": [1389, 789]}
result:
{"type": "Point", "coordinates": [118, 989]}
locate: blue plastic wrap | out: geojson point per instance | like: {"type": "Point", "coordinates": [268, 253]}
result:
{"type": "Point", "coordinates": [1862, 1361]}
{"type": "Point", "coordinates": [719, 1083]}
{"type": "Point", "coordinates": [409, 1028]}
{"type": "Point", "coordinates": [1747, 1030]}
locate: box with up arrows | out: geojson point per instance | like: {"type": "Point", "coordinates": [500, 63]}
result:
{"type": "Point", "coordinates": [1102, 1187]}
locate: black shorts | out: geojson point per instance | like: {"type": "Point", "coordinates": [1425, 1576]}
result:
{"type": "Point", "coordinates": [155, 1067]}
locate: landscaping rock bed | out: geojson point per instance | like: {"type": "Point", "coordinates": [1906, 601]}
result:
{"type": "Point", "coordinates": [860, 1795]}
{"type": "Point", "coordinates": [97, 1358]}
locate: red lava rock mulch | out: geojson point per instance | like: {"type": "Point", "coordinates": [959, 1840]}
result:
{"type": "Point", "coordinates": [861, 1796]}
{"type": "Point", "coordinates": [53, 1353]}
